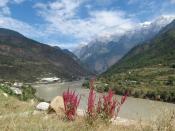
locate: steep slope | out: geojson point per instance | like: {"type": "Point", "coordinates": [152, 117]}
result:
{"type": "Point", "coordinates": [25, 59]}
{"type": "Point", "coordinates": [148, 70]}
{"type": "Point", "coordinates": [159, 51]}
{"type": "Point", "coordinates": [66, 51]}
{"type": "Point", "coordinates": [101, 54]}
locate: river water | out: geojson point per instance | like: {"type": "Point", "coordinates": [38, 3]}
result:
{"type": "Point", "coordinates": [133, 108]}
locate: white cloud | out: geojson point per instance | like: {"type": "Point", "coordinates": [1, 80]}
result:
{"type": "Point", "coordinates": [4, 6]}
{"type": "Point", "coordinates": [18, 1]}
{"type": "Point", "coordinates": [22, 27]}
{"type": "Point", "coordinates": [5, 11]}
{"type": "Point", "coordinates": [62, 18]}
{"type": "Point", "coordinates": [70, 46]}
{"type": "Point", "coordinates": [3, 3]}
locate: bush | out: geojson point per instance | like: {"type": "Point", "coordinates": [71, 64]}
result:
{"type": "Point", "coordinates": [71, 103]}
{"type": "Point", "coordinates": [172, 65]}
{"type": "Point", "coordinates": [6, 89]}
{"type": "Point", "coordinates": [27, 92]}
{"type": "Point", "coordinates": [170, 81]}
{"type": "Point", "coordinates": [86, 84]}
{"type": "Point", "coordinates": [107, 107]}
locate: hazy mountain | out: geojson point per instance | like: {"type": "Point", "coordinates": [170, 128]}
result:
{"type": "Point", "coordinates": [159, 51]}
{"type": "Point", "coordinates": [25, 59]}
{"type": "Point", "coordinates": [102, 53]}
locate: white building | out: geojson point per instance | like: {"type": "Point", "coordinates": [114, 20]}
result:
{"type": "Point", "coordinates": [17, 85]}
{"type": "Point", "coordinates": [50, 80]}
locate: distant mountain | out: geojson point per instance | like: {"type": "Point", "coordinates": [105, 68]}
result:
{"type": "Point", "coordinates": [101, 54]}
{"type": "Point", "coordinates": [66, 51]}
{"type": "Point", "coordinates": [25, 59]}
{"type": "Point", "coordinates": [159, 51]}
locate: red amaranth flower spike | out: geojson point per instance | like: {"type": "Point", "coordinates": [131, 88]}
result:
{"type": "Point", "coordinates": [99, 105]}
{"type": "Point", "coordinates": [109, 104]}
{"type": "Point", "coordinates": [91, 99]}
{"type": "Point", "coordinates": [71, 103]}
{"type": "Point", "coordinates": [123, 99]}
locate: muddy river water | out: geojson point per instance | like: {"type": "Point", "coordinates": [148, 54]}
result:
{"type": "Point", "coordinates": [134, 108]}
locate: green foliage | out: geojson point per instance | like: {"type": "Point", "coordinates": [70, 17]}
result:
{"type": "Point", "coordinates": [6, 89]}
{"type": "Point", "coordinates": [159, 51]}
{"type": "Point", "coordinates": [26, 60]}
{"type": "Point", "coordinates": [172, 65]}
{"type": "Point", "coordinates": [27, 92]}
{"type": "Point", "coordinates": [86, 84]}
{"type": "Point", "coordinates": [147, 71]}
{"type": "Point", "coordinates": [156, 83]}
{"type": "Point", "coordinates": [170, 81]}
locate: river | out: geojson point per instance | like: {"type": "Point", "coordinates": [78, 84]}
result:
{"type": "Point", "coordinates": [133, 108]}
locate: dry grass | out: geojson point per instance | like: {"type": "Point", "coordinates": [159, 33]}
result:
{"type": "Point", "coordinates": [13, 105]}
{"type": "Point", "coordinates": [44, 122]}
{"type": "Point", "coordinates": [52, 122]}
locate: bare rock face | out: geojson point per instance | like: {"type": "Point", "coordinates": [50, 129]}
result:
{"type": "Point", "coordinates": [57, 104]}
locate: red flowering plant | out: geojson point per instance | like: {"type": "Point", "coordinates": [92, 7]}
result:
{"type": "Point", "coordinates": [71, 103]}
{"type": "Point", "coordinates": [107, 106]}
{"type": "Point", "coordinates": [91, 100]}
{"type": "Point", "coordinates": [111, 106]}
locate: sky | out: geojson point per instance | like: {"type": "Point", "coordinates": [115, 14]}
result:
{"type": "Point", "coordinates": [72, 23]}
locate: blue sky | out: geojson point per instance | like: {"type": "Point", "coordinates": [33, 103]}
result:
{"type": "Point", "coordinates": [71, 23]}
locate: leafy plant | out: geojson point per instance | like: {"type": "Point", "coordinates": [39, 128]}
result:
{"type": "Point", "coordinates": [71, 103]}
{"type": "Point", "coordinates": [106, 108]}
{"type": "Point", "coordinates": [28, 92]}
{"type": "Point", "coordinates": [109, 107]}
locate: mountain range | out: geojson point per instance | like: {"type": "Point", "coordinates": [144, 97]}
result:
{"type": "Point", "coordinates": [101, 54]}
{"type": "Point", "coordinates": [158, 51]}
{"type": "Point", "coordinates": [147, 70]}
{"type": "Point", "coordinates": [24, 59]}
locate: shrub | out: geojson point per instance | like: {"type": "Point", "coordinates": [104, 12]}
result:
{"type": "Point", "coordinates": [71, 103]}
{"type": "Point", "coordinates": [170, 81]}
{"type": "Point", "coordinates": [172, 65]}
{"type": "Point", "coordinates": [110, 105]}
{"type": "Point", "coordinates": [27, 93]}
{"type": "Point", "coordinates": [106, 108]}
{"type": "Point", "coordinates": [86, 84]}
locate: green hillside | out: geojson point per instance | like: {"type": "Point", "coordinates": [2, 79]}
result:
{"type": "Point", "coordinates": [148, 70]}
{"type": "Point", "coordinates": [160, 50]}
{"type": "Point", "coordinates": [26, 60]}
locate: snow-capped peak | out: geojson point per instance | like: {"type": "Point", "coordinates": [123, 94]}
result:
{"type": "Point", "coordinates": [164, 20]}
{"type": "Point", "coordinates": [145, 24]}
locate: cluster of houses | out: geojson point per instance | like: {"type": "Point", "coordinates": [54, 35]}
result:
{"type": "Point", "coordinates": [16, 87]}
